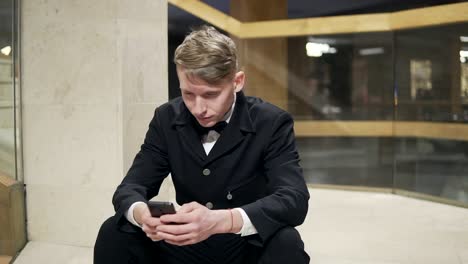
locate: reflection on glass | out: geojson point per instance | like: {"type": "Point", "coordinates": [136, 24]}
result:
{"type": "Point", "coordinates": [434, 167]}
{"type": "Point", "coordinates": [421, 82]}
{"type": "Point", "coordinates": [341, 77]}
{"type": "Point", "coordinates": [409, 75]}
{"type": "Point", "coordinates": [464, 84]}
{"type": "Point", "coordinates": [347, 161]}
{"type": "Point", "coordinates": [433, 89]}
{"type": "Point", "coordinates": [7, 148]}
{"type": "Point", "coordinates": [6, 50]}
{"type": "Point", "coordinates": [429, 74]}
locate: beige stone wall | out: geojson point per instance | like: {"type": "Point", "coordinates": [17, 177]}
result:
{"type": "Point", "coordinates": [92, 74]}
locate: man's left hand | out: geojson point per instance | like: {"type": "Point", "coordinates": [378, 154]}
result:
{"type": "Point", "coordinates": [193, 223]}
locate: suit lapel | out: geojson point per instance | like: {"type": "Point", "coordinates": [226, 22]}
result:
{"type": "Point", "coordinates": [229, 139]}
{"type": "Point", "coordinates": [192, 142]}
{"type": "Point", "coordinates": [235, 131]}
{"type": "Point", "coordinates": [233, 134]}
{"type": "Point", "coordinates": [190, 138]}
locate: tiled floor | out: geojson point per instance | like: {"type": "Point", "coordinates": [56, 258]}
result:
{"type": "Point", "coordinates": [345, 227]}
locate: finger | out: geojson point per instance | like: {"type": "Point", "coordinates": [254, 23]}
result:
{"type": "Point", "coordinates": [154, 237]}
{"type": "Point", "coordinates": [145, 222]}
{"type": "Point", "coordinates": [176, 229]}
{"type": "Point", "coordinates": [142, 211]}
{"type": "Point", "coordinates": [151, 221]}
{"type": "Point", "coordinates": [148, 229]}
{"type": "Point", "coordinates": [179, 218]}
{"type": "Point", "coordinates": [176, 238]}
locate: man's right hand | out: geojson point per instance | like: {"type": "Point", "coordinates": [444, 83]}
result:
{"type": "Point", "coordinates": [143, 217]}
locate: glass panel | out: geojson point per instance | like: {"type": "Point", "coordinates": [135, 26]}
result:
{"type": "Point", "coordinates": [431, 73]}
{"type": "Point", "coordinates": [347, 161]}
{"type": "Point", "coordinates": [341, 77]}
{"type": "Point", "coordinates": [411, 75]}
{"type": "Point", "coordinates": [12, 207]}
{"type": "Point", "coordinates": [321, 8]}
{"type": "Point", "coordinates": [431, 77]}
{"type": "Point", "coordinates": [7, 114]}
{"type": "Point", "coordinates": [434, 167]}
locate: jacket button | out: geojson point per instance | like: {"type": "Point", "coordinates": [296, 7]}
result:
{"type": "Point", "coordinates": [209, 205]}
{"type": "Point", "coordinates": [229, 196]}
{"type": "Point", "coordinates": [206, 172]}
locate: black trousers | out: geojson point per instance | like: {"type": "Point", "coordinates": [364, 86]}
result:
{"type": "Point", "coordinates": [114, 246]}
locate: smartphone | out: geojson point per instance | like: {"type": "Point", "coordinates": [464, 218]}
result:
{"type": "Point", "coordinates": [160, 208]}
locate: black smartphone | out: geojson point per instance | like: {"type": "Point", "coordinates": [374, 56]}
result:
{"type": "Point", "coordinates": [160, 208]}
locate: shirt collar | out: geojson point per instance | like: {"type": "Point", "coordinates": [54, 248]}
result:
{"type": "Point", "coordinates": [228, 115]}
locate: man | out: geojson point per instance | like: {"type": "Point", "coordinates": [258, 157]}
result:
{"type": "Point", "coordinates": [223, 150]}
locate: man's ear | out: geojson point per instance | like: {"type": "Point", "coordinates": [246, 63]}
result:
{"type": "Point", "coordinates": [239, 81]}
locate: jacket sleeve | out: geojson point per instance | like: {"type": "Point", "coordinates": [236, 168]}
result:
{"type": "Point", "coordinates": [144, 178]}
{"type": "Point", "coordinates": [287, 201]}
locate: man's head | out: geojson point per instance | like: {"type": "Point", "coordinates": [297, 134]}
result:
{"type": "Point", "coordinates": [208, 74]}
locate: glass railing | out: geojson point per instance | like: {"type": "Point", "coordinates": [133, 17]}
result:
{"type": "Point", "coordinates": [7, 99]}
{"type": "Point", "coordinates": [12, 196]}
{"type": "Point", "coordinates": [384, 107]}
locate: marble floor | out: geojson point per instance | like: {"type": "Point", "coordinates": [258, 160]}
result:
{"type": "Point", "coordinates": [346, 227]}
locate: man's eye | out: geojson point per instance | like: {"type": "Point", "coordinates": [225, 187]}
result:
{"type": "Point", "coordinates": [211, 94]}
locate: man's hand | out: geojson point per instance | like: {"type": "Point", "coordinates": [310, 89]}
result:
{"type": "Point", "coordinates": [142, 216]}
{"type": "Point", "coordinates": [193, 223]}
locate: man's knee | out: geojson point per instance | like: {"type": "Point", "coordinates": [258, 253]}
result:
{"type": "Point", "coordinates": [285, 245]}
{"type": "Point", "coordinates": [104, 245]}
{"type": "Point", "coordinates": [107, 230]}
{"type": "Point", "coordinates": [115, 246]}
{"type": "Point", "coordinates": [108, 225]}
{"type": "Point", "coordinates": [111, 234]}
{"type": "Point", "coordinates": [287, 237]}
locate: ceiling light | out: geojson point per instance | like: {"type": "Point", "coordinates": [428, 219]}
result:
{"type": "Point", "coordinates": [318, 49]}
{"type": "Point", "coordinates": [6, 50]}
{"type": "Point", "coordinates": [371, 51]}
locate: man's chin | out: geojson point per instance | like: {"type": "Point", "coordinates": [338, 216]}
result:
{"type": "Point", "coordinates": [206, 123]}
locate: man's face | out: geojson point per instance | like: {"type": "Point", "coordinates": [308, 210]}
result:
{"type": "Point", "coordinates": [209, 103]}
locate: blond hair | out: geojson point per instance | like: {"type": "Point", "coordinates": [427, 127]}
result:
{"type": "Point", "coordinates": [207, 54]}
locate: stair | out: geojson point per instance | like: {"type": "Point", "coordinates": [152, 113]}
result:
{"type": "Point", "coordinates": [5, 259]}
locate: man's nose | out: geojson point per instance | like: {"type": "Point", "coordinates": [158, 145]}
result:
{"type": "Point", "coordinates": [200, 106]}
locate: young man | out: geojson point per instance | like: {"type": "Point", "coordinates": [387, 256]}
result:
{"type": "Point", "coordinates": [223, 150]}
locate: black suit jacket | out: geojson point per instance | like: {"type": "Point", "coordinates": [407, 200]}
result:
{"type": "Point", "coordinates": [254, 165]}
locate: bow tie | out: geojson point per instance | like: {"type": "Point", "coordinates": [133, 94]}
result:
{"type": "Point", "coordinates": [219, 127]}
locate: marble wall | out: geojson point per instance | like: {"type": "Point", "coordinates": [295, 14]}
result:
{"type": "Point", "coordinates": [92, 74]}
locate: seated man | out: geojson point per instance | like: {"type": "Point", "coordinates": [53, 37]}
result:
{"type": "Point", "coordinates": [223, 150]}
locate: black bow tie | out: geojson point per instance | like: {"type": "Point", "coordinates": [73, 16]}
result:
{"type": "Point", "coordinates": [219, 127]}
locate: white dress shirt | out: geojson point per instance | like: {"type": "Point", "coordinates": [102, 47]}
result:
{"type": "Point", "coordinates": [209, 140]}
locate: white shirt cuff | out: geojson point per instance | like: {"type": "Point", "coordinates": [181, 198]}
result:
{"type": "Point", "coordinates": [247, 228]}
{"type": "Point", "coordinates": [129, 213]}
